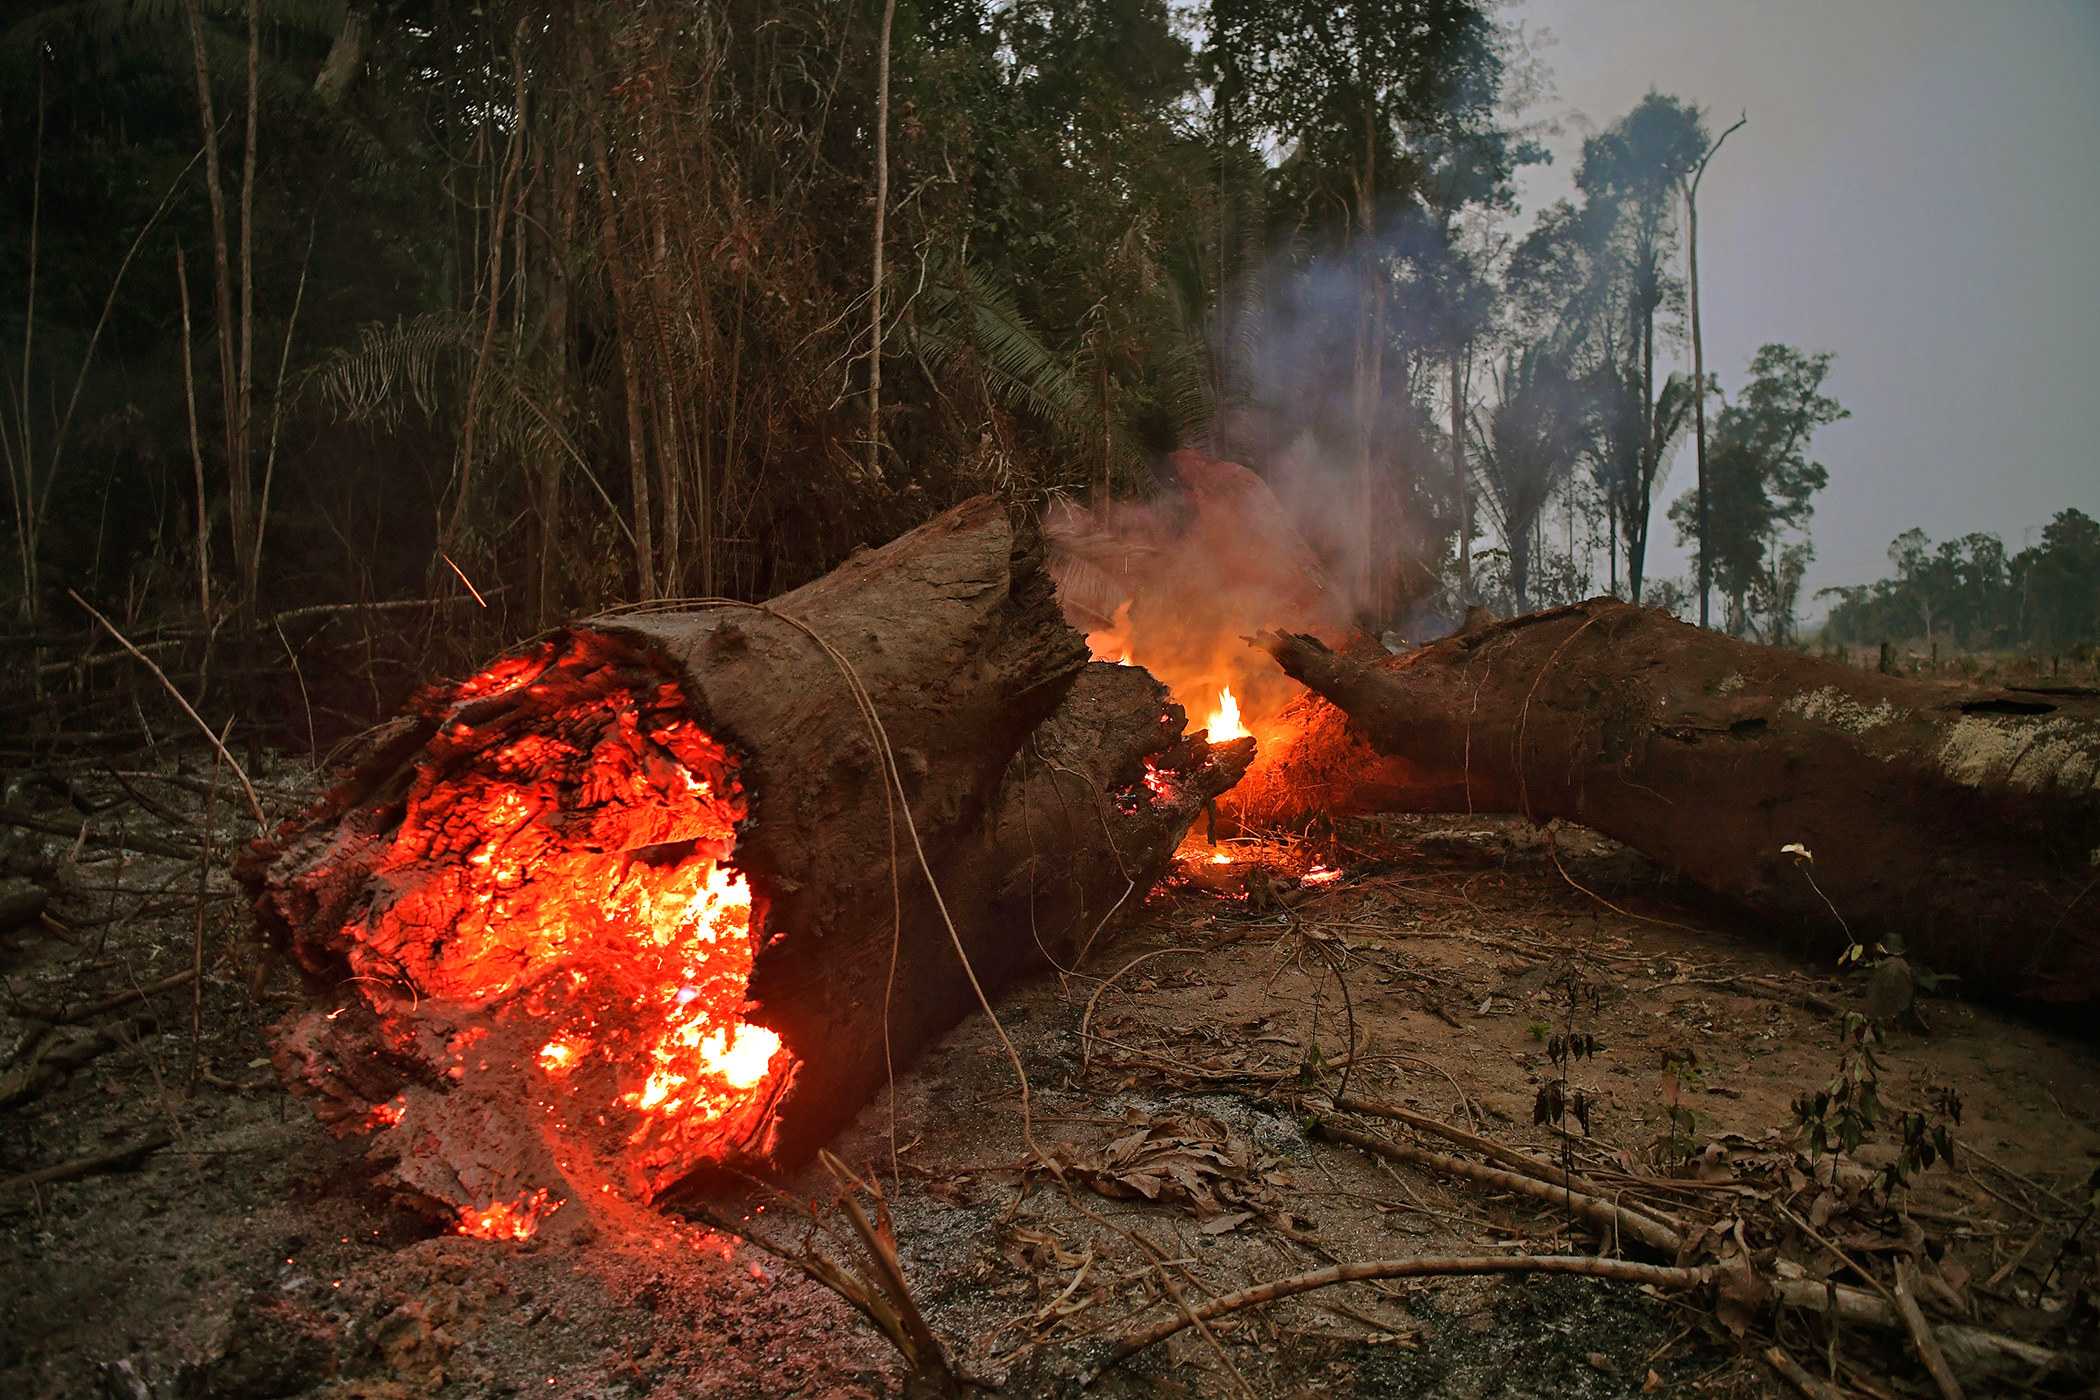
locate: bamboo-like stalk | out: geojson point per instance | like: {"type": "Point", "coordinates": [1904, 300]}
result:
{"type": "Point", "coordinates": [882, 200]}
{"type": "Point", "coordinates": [512, 156]}
{"type": "Point", "coordinates": [189, 385]}
{"type": "Point", "coordinates": [222, 275]}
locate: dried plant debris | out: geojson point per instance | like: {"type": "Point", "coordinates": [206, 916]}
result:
{"type": "Point", "coordinates": [249, 1254]}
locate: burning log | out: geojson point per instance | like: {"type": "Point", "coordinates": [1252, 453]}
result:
{"type": "Point", "coordinates": [1965, 818]}
{"type": "Point", "coordinates": [650, 896]}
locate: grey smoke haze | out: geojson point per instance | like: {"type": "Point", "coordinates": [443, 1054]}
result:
{"type": "Point", "coordinates": [1918, 190]}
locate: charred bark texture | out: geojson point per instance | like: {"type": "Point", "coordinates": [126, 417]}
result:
{"type": "Point", "coordinates": [1965, 818]}
{"type": "Point", "coordinates": [1046, 793]}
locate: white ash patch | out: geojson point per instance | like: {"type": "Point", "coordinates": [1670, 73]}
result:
{"type": "Point", "coordinates": [1730, 683]}
{"type": "Point", "coordinates": [1835, 708]}
{"type": "Point", "coordinates": [2027, 754]}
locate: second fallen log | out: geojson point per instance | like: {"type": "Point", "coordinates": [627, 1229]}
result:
{"type": "Point", "coordinates": [1964, 818]}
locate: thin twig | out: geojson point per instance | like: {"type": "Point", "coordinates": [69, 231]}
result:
{"type": "Point", "coordinates": [1087, 1018]}
{"type": "Point", "coordinates": [84, 1011]}
{"type": "Point", "coordinates": [1624, 913]}
{"type": "Point", "coordinates": [1420, 1267]}
{"type": "Point", "coordinates": [254, 804]}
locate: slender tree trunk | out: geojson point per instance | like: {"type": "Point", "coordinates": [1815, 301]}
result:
{"type": "Point", "coordinates": [27, 517]}
{"type": "Point", "coordinates": [1611, 548]}
{"type": "Point", "coordinates": [560, 232]}
{"type": "Point", "coordinates": [670, 457]}
{"type": "Point", "coordinates": [221, 242]}
{"type": "Point", "coordinates": [248, 535]}
{"type": "Point", "coordinates": [630, 370]}
{"type": "Point", "coordinates": [1691, 206]}
{"type": "Point", "coordinates": [189, 385]}
{"type": "Point", "coordinates": [1637, 510]}
{"type": "Point", "coordinates": [1107, 422]}
{"type": "Point", "coordinates": [1370, 352]}
{"type": "Point", "coordinates": [1458, 478]}
{"type": "Point", "coordinates": [882, 199]}
{"type": "Point", "coordinates": [513, 157]}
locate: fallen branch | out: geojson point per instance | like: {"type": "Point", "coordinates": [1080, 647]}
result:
{"type": "Point", "coordinates": [1603, 1214]}
{"type": "Point", "coordinates": [1804, 1382]}
{"type": "Point", "coordinates": [398, 605]}
{"type": "Point", "coordinates": [55, 1062]}
{"type": "Point", "coordinates": [1621, 1270]}
{"type": "Point", "coordinates": [1921, 1337]}
{"type": "Point", "coordinates": [122, 841]}
{"type": "Point", "coordinates": [87, 1010]}
{"type": "Point", "coordinates": [1969, 1346]}
{"type": "Point", "coordinates": [88, 1166]}
{"type": "Point", "coordinates": [1495, 1151]}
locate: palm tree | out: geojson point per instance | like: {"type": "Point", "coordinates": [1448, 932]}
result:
{"type": "Point", "coordinates": [1540, 427]}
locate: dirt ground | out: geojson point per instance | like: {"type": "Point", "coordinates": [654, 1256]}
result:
{"type": "Point", "coordinates": [1177, 1085]}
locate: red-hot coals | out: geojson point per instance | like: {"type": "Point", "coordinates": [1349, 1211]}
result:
{"type": "Point", "coordinates": [556, 896]}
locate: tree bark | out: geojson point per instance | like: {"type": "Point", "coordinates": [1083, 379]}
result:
{"type": "Point", "coordinates": [1964, 818]}
{"type": "Point", "coordinates": [1046, 792]}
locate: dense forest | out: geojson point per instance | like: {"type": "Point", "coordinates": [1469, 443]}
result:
{"type": "Point", "coordinates": [315, 308]}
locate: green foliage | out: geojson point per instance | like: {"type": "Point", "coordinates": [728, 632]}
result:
{"type": "Point", "coordinates": [1761, 486]}
{"type": "Point", "coordinates": [1680, 1073]}
{"type": "Point", "coordinates": [1968, 592]}
{"type": "Point", "coordinates": [1540, 426]}
{"type": "Point", "coordinates": [1848, 1110]}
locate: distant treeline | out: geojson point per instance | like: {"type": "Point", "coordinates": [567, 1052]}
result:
{"type": "Point", "coordinates": [1970, 593]}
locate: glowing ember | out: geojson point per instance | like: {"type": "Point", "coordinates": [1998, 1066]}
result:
{"type": "Point", "coordinates": [516, 1220]}
{"type": "Point", "coordinates": [564, 882]}
{"type": "Point", "coordinates": [1319, 875]}
{"type": "Point", "coordinates": [1221, 859]}
{"type": "Point", "coordinates": [1224, 721]}
{"type": "Point", "coordinates": [561, 1054]}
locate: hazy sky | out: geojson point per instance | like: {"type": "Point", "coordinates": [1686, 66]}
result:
{"type": "Point", "coordinates": [1918, 189]}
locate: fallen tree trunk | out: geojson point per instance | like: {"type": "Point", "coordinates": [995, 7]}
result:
{"type": "Point", "coordinates": [1966, 819]}
{"type": "Point", "coordinates": [650, 897]}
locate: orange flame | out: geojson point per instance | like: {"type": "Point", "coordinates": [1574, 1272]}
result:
{"type": "Point", "coordinates": [1224, 721]}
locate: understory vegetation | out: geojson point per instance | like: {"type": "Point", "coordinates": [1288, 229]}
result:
{"type": "Point", "coordinates": [373, 336]}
